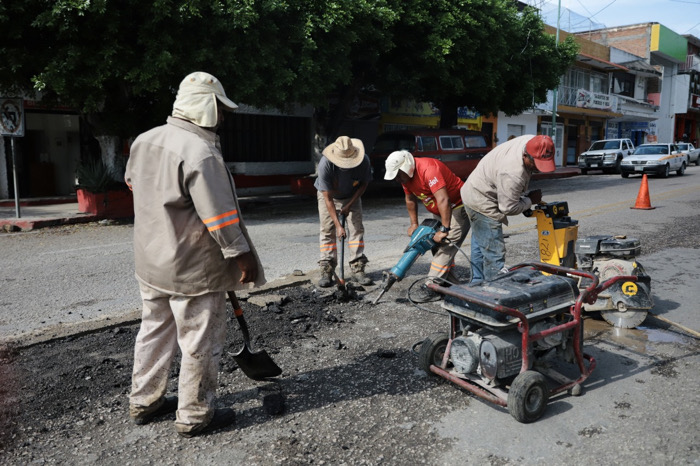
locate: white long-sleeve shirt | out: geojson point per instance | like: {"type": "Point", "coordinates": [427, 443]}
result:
{"type": "Point", "coordinates": [497, 186]}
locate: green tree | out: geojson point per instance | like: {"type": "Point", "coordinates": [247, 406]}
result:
{"type": "Point", "coordinates": [119, 63]}
{"type": "Point", "coordinates": [482, 54]}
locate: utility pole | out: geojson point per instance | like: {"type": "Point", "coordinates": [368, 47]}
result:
{"type": "Point", "coordinates": [554, 102]}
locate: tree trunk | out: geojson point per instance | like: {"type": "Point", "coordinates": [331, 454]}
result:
{"type": "Point", "coordinates": [110, 148]}
{"type": "Point", "coordinates": [448, 114]}
{"type": "Point", "coordinates": [329, 121]}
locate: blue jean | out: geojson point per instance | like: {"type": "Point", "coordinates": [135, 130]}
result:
{"type": "Point", "coordinates": [488, 247]}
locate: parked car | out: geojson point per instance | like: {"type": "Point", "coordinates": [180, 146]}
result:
{"type": "Point", "coordinates": [606, 155]}
{"type": "Point", "coordinates": [459, 149]}
{"type": "Point", "coordinates": [657, 159]}
{"type": "Point", "coordinates": [691, 151]}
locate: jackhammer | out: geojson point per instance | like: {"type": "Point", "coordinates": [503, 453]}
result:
{"type": "Point", "coordinates": [420, 243]}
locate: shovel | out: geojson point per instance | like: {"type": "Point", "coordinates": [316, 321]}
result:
{"type": "Point", "coordinates": [257, 365]}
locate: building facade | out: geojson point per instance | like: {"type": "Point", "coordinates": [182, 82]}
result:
{"type": "Point", "coordinates": [666, 51]}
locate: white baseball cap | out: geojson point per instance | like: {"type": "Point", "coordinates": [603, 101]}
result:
{"type": "Point", "coordinates": [399, 160]}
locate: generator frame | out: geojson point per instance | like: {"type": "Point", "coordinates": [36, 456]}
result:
{"type": "Point", "coordinates": [529, 404]}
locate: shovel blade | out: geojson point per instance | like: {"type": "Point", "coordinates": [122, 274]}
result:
{"type": "Point", "coordinates": [257, 365]}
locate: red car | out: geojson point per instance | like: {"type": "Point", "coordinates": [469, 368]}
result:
{"type": "Point", "coordinates": [459, 149]}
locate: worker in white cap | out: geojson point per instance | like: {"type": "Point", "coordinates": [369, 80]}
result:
{"type": "Point", "coordinates": [431, 182]}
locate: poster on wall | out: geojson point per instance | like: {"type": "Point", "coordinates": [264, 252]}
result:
{"type": "Point", "coordinates": [652, 134]}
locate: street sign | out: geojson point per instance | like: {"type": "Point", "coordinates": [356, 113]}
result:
{"type": "Point", "coordinates": [11, 117]}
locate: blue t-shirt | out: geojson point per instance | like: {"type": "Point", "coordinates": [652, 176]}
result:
{"type": "Point", "coordinates": [341, 182]}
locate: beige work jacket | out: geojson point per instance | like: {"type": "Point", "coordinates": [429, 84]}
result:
{"type": "Point", "coordinates": [497, 186]}
{"type": "Point", "coordinates": [188, 224]}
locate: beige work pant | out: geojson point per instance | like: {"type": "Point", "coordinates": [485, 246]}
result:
{"type": "Point", "coordinates": [443, 257]}
{"type": "Point", "coordinates": [198, 325]}
{"type": "Point", "coordinates": [355, 230]}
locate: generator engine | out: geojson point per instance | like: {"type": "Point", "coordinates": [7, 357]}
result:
{"type": "Point", "coordinates": [497, 356]}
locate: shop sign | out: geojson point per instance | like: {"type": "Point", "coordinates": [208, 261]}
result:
{"type": "Point", "coordinates": [588, 99]}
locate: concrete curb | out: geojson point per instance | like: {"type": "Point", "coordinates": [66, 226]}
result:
{"type": "Point", "coordinates": [28, 224]}
{"type": "Point", "coordinates": [73, 329]}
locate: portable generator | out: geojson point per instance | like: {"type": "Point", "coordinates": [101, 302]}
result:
{"type": "Point", "coordinates": [509, 336]}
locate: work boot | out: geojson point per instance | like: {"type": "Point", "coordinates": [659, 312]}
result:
{"type": "Point", "coordinates": [223, 417]}
{"type": "Point", "coordinates": [167, 406]}
{"type": "Point", "coordinates": [423, 294]}
{"type": "Point", "coordinates": [326, 275]}
{"type": "Point", "coordinates": [358, 273]}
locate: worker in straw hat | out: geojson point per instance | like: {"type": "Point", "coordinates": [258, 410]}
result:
{"type": "Point", "coordinates": [343, 176]}
{"type": "Point", "coordinates": [191, 247]}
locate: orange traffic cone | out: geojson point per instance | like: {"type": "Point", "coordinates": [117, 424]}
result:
{"type": "Point", "coordinates": [643, 201]}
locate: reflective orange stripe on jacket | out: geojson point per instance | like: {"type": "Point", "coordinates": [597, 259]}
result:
{"type": "Point", "coordinates": [220, 221]}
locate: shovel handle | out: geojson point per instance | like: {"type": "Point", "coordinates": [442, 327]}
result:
{"type": "Point", "coordinates": [342, 252]}
{"type": "Point", "coordinates": [238, 312]}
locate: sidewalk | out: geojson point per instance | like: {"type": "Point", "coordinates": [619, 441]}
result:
{"type": "Point", "coordinates": [63, 210]}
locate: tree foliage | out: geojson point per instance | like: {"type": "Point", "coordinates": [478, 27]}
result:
{"type": "Point", "coordinates": [119, 63]}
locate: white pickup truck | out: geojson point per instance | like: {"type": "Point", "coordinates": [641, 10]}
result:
{"type": "Point", "coordinates": [691, 151]}
{"type": "Point", "coordinates": [606, 155]}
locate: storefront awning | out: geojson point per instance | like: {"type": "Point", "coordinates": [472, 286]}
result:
{"type": "Point", "coordinates": [642, 68]}
{"type": "Point", "coordinates": [600, 63]}
{"type": "Point", "coordinates": [587, 111]}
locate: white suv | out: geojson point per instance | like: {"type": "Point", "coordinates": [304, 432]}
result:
{"type": "Point", "coordinates": [606, 155]}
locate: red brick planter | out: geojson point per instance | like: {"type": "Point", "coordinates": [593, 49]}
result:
{"type": "Point", "coordinates": [112, 204]}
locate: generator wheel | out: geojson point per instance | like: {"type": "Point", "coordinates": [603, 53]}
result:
{"type": "Point", "coordinates": [528, 395]}
{"type": "Point", "coordinates": [432, 350]}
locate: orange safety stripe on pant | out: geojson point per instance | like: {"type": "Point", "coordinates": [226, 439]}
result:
{"type": "Point", "coordinates": [328, 247]}
{"type": "Point", "coordinates": [441, 268]}
{"type": "Point", "coordinates": [356, 244]}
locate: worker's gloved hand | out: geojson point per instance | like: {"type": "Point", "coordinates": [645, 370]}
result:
{"type": "Point", "coordinates": [249, 267]}
{"type": "Point", "coordinates": [535, 196]}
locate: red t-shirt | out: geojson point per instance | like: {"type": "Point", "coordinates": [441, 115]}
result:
{"type": "Point", "coordinates": [429, 176]}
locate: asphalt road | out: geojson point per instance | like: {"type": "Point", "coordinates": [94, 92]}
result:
{"type": "Point", "coordinates": [354, 394]}
{"type": "Point", "coordinates": [56, 281]}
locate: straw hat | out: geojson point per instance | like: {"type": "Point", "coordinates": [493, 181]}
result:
{"type": "Point", "coordinates": [345, 152]}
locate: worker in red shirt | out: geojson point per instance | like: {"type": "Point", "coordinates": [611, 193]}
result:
{"type": "Point", "coordinates": [430, 181]}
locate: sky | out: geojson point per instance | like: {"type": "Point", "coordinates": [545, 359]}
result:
{"type": "Point", "coordinates": [681, 16]}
